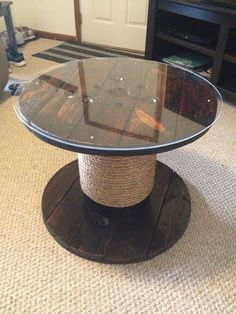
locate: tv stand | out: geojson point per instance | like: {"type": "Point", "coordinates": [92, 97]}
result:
{"type": "Point", "coordinates": [211, 23]}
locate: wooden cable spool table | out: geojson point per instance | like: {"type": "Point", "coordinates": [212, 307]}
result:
{"type": "Point", "coordinates": [119, 205]}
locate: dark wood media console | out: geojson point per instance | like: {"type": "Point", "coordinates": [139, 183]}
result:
{"type": "Point", "coordinates": [181, 25]}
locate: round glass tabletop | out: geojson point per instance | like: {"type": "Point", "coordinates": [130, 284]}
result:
{"type": "Point", "coordinates": [119, 106]}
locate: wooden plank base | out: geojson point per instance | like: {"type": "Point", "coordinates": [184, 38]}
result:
{"type": "Point", "coordinates": [96, 234]}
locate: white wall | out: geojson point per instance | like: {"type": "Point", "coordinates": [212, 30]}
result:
{"type": "Point", "coordinates": [55, 16]}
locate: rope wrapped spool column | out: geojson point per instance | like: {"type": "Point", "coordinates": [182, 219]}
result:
{"type": "Point", "coordinates": [117, 181]}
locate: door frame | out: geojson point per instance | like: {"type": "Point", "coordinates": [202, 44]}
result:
{"type": "Point", "coordinates": [78, 20]}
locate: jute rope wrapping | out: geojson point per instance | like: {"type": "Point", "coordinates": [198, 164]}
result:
{"type": "Point", "coordinates": [117, 181]}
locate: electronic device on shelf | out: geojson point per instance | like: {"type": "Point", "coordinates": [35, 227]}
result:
{"type": "Point", "coordinates": [198, 40]}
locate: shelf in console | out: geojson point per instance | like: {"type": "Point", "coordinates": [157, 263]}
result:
{"type": "Point", "coordinates": [200, 5]}
{"type": "Point", "coordinates": [186, 44]}
{"type": "Point", "coordinates": [227, 94]}
{"type": "Point", "coordinates": [230, 58]}
{"type": "Point", "coordinates": [228, 85]}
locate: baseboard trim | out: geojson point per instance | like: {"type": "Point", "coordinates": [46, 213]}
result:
{"type": "Point", "coordinates": [63, 37]}
{"type": "Point", "coordinates": [55, 36]}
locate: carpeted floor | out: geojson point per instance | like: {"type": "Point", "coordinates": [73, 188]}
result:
{"type": "Point", "coordinates": [197, 275]}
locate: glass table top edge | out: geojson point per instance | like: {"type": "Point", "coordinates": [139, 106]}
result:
{"type": "Point", "coordinates": [113, 150]}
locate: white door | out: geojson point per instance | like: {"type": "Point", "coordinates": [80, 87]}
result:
{"type": "Point", "coordinates": [117, 23]}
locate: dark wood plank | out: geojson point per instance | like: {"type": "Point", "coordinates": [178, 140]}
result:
{"type": "Point", "coordinates": [174, 215]}
{"type": "Point", "coordinates": [35, 96]}
{"type": "Point", "coordinates": [61, 114]}
{"type": "Point", "coordinates": [93, 237]}
{"type": "Point", "coordinates": [43, 89]}
{"type": "Point", "coordinates": [62, 118]}
{"type": "Point", "coordinates": [55, 192]}
{"type": "Point", "coordinates": [47, 114]}
{"type": "Point", "coordinates": [104, 119]}
{"type": "Point", "coordinates": [66, 219]}
{"type": "Point", "coordinates": [145, 122]}
{"type": "Point", "coordinates": [65, 78]}
{"type": "Point", "coordinates": [151, 121]}
{"type": "Point", "coordinates": [192, 119]}
{"type": "Point", "coordinates": [173, 91]}
{"type": "Point", "coordinates": [129, 240]}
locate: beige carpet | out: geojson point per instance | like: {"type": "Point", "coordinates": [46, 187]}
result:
{"type": "Point", "coordinates": [197, 275]}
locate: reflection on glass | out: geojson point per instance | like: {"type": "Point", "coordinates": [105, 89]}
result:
{"type": "Point", "coordinates": [119, 102]}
